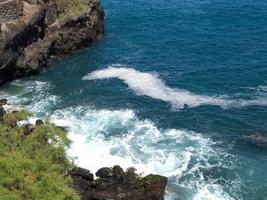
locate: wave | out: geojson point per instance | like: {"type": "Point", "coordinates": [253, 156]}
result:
{"type": "Point", "coordinates": [106, 138]}
{"type": "Point", "coordinates": [32, 95]}
{"type": "Point", "coordinates": [151, 85]}
{"type": "Point", "coordinates": [110, 137]}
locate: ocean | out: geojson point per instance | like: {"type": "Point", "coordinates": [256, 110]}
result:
{"type": "Point", "coordinates": [174, 87]}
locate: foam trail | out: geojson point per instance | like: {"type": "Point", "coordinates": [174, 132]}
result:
{"type": "Point", "coordinates": [150, 85]}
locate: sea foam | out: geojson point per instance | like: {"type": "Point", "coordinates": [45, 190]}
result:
{"type": "Point", "coordinates": [151, 85]}
{"type": "Point", "coordinates": [118, 137]}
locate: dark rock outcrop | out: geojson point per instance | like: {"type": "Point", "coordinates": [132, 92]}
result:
{"type": "Point", "coordinates": [2, 111]}
{"type": "Point", "coordinates": [114, 184]}
{"type": "Point", "coordinates": [104, 172]}
{"type": "Point", "coordinates": [3, 102]}
{"type": "Point", "coordinates": [39, 122]}
{"type": "Point", "coordinates": [27, 43]}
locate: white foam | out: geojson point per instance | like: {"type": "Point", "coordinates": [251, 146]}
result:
{"type": "Point", "coordinates": [151, 85]}
{"type": "Point", "coordinates": [211, 192]}
{"type": "Point", "coordinates": [107, 138]}
{"type": "Point", "coordinates": [29, 94]}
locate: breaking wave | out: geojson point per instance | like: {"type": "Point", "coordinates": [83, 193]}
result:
{"type": "Point", "coordinates": [107, 138]}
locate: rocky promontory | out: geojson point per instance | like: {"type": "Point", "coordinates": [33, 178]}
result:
{"type": "Point", "coordinates": [33, 30]}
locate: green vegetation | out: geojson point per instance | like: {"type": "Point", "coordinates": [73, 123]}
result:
{"type": "Point", "coordinates": [33, 164]}
{"type": "Point", "coordinates": [69, 9]}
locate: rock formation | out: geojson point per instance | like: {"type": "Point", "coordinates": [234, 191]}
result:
{"type": "Point", "coordinates": [28, 39]}
{"type": "Point", "coordinates": [115, 184]}
{"type": "Point", "coordinates": [10, 10]}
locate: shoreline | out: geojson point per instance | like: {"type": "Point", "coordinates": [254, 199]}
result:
{"type": "Point", "coordinates": [112, 182]}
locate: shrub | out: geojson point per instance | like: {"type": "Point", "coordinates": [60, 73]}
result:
{"type": "Point", "coordinates": [33, 166]}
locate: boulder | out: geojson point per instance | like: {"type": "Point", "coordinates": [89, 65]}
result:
{"type": "Point", "coordinates": [3, 102]}
{"type": "Point", "coordinates": [39, 122]}
{"type": "Point", "coordinates": [104, 172]}
{"type": "Point", "coordinates": [82, 173]}
{"type": "Point", "coordinates": [116, 184]}
{"type": "Point", "coordinates": [2, 111]}
{"type": "Point", "coordinates": [28, 129]}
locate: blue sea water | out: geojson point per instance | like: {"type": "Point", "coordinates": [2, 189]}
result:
{"type": "Point", "coordinates": [175, 87]}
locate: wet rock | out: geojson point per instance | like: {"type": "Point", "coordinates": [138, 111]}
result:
{"type": "Point", "coordinates": [104, 172]}
{"type": "Point", "coordinates": [80, 184]}
{"type": "Point", "coordinates": [116, 184]}
{"type": "Point", "coordinates": [82, 173]}
{"type": "Point", "coordinates": [2, 111]}
{"type": "Point", "coordinates": [3, 102]}
{"type": "Point", "coordinates": [39, 122]}
{"type": "Point", "coordinates": [28, 129]}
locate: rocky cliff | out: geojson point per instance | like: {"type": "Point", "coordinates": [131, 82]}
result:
{"type": "Point", "coordinates": [27, 42]}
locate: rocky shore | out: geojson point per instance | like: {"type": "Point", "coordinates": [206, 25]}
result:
{"type": "Point", "coordinates": [40, 32]}
{"type": "Point", "coordinates": [114, 183]}
{"type": "Point", "coordinates": [29, 35]}
{"type": "Point", "coordinates": [108, 183]}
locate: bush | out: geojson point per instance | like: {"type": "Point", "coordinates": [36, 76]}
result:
{"type": "Point", "coordinates": [33, 166]}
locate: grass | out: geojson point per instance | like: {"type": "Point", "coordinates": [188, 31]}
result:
{"type": "Point", "coordinates": [69, 9]}
{"type": "Point", "coordinates": [33, 166]}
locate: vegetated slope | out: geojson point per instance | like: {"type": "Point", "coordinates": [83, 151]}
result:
{"type": "Point", "coordinates": [33, 161]}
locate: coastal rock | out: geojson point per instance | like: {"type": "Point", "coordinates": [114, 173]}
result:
{"type": "Point", "coordinates": [104, 172]}
{"type": "Point", "coordinates": [82, 173]}
{"type": "Point", "coordinates": [115, 184]}
{"type": "Point", "coordinates": [28, 129]}
{"type": "Point", "coordinates": [26, 43]}
{"type": "Point", "coordinates": [2, 111]}
{"type": "Point", "coordinates": [3, 102]}
{"type": "Point", "coordinates": [39, 122]}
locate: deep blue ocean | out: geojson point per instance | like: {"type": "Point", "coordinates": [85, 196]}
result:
{"type": "Point", "coordinates": [174, 87]}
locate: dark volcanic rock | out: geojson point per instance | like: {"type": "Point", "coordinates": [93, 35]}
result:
{"type": "Point", "coordinates": [28, 129]}
{"type": "Point", "coordinates": [3, 102]}
{"type": "Point", "coordinates": [81, 32]}
{"type": "Point", "coordinates": [104, 172]}
{"type": "Point", "coordinates": [2, 111]}
{"type": "Point", "coordinates": [115, 184]}
{"type": "Point", "coordinates": [27, 43]}
{"type": "Point", "coordinates": [39, 122]}
{"type": "Point", "coordinates": [82, 173]}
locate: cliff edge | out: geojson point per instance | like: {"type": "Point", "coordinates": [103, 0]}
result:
{"type": "Point", "coordinates": [31, 31]}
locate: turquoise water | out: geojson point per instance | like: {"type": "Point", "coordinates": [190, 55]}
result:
{"type": "Point", "coordinates": [174, 87]}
